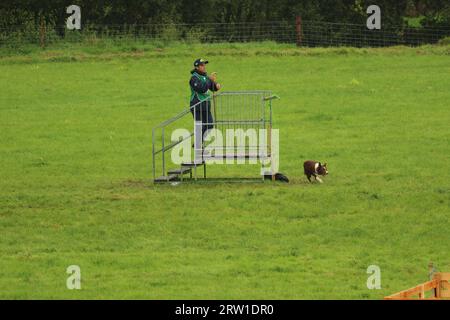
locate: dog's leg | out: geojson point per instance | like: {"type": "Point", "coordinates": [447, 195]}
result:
{"type": "Point", "coordinates": [309, 177]}
{"type": "Point", "coordinates": [318, 179]}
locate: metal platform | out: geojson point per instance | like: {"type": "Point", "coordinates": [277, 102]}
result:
{"type": "Point", "coordinates": [239, 110]}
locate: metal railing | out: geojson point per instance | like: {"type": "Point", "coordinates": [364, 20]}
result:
{"type": "Point", "coordinates": [162, 126]}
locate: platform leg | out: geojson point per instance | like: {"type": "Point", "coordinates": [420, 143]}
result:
{"type": "Point", "coordinates": [198, 148]}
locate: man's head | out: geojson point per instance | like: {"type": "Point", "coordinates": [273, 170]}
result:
{"type": "Point", "coordinates": [200, 65]}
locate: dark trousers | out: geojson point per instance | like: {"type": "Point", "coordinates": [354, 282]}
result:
{"type": "Point", "coordinates": [202, 112]}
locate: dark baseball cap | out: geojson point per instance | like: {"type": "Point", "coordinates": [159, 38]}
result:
{"type": "Point", "coordinates": [199, 62]}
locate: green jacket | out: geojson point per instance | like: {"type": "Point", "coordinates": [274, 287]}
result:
{"type": "Point", "coordinates": [200, 85]}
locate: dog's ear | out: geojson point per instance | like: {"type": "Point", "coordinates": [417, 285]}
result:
{"type": "Point", "coordinates": [325, 164]}
{"type": "Point", "coordinates": [320, 164]}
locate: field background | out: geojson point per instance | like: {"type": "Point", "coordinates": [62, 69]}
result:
{"type": "Point", "coordinates": [75, 175]}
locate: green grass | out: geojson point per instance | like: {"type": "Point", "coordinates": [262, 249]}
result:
{"type": "Point", "coordinates": [75, 175]}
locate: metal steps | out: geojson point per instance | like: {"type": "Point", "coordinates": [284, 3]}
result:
{"type": "Point", "coordinates": [182, 170]}
{"type": "Point", "coordinates": [195, 165]}
{"type": "Point", "coordinates": [237, 156]}
{"type": "Point", "coordinates": [170, 177]}
{"type": "Point", "coordinates": [178, 174]}
{"type": "Point", "coordinates": [192, 164]}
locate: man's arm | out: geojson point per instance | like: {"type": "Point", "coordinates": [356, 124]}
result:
{"type": "Point", "coordinates": [198, 86]}
{"type": "Point", "coordinates": [214, 86]}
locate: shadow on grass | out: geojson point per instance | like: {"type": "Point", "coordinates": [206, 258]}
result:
{"type": "Point", "coordinates": [218, 181]}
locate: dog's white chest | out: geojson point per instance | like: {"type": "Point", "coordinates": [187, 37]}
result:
{"type": "Point", "coordinates": [316, 166]}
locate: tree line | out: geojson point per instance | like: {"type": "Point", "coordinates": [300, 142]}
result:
{"type": "Point", "coordinates": [432, 13]}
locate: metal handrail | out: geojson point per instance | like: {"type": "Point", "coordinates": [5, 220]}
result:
{"type": "Point", "coordinates": [164, 124]}
{"type": "Point", "coordinates": [170, 146]}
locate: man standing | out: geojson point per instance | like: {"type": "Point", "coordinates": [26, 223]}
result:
{"type": "Point", "coordinates": [200, 84]}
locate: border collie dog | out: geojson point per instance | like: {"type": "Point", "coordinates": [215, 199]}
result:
{"type": "Point", "coordinates": [315, 169]}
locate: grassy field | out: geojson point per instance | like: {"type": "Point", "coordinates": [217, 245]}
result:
{"type": "Point", "coordinates": [75, 175]}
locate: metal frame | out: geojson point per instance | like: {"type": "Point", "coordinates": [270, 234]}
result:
{"type": "Point", "coordinates": [230, 110]}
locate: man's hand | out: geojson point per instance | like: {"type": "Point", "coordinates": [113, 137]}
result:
{"type": "Point", "coordinates": [217, 86]}
{"type": "Point", "coordinates": [213, 76]}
